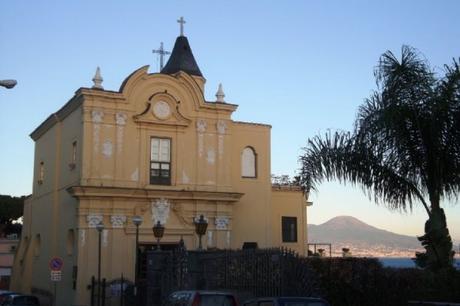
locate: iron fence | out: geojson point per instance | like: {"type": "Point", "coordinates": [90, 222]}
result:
{"type": "Point", "coordinates": [249, 273]}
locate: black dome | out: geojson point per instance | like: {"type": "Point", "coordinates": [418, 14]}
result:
{"type": "Point", "coordinates": [182, 59]}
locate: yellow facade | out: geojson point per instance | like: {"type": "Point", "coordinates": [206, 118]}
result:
{"type": "Point", "coordinates": [93, 161]}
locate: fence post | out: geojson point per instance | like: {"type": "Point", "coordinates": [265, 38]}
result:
{"type": "Point", "coordinates": [103, 291]}
{"type": "Point", "coordinates": [155, 270]}
{"type": "Point", "coordinates": [122, 290]}
{"type": "Point", "coordinates": [93, 281]}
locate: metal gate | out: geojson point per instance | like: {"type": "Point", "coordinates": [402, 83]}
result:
{"type": "Point", "coordinates": [249, 273]}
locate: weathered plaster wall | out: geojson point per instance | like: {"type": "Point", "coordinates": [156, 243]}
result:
{"type": "Point", "coordinates": [289, 202]}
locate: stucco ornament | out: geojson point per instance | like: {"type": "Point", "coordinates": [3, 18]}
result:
{"type": "Point", "coordinates": [94, 220]}
{"type": "Point", "coordinates": [160, 210]}
{"type": "Point", "coordinates": [185, 178]}
{"type": "Point", "coordinates": [97, 116]}
{"type": "Point", "coordinates": [118, 221]}
{"type": "Point", "coordinates": [221, 126]}
{"type": "Point", "coordinates": [105, 238]}
{"type": "Point", "coordinates": [120, 118]}
{"type": "Point", "coordinates": [82, 237]}
{"type": "Point", "coordinates": [222, 222]}
{"type": "Point", "coordinates": [210, 239]}
{"type": "Point", "coordinates": [201, 126]}
{"type": "Point", "coordinates": [107, 149]}
{"type": "Point", "coordinates": [135, 175]}
{"type": "Point", "coordinates": [161, 109]}
{"type": "Point", "coordinates": [211, 156]}
{"type": "Point", "coordinates": [229, 239]}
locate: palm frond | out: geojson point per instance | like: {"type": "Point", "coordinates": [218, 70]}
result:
{"type": "Point", "coordinates": [338, 156]}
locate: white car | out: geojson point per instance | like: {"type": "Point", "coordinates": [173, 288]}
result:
{"type": "Point", "coordinates": [286, 301]}
{"type": "Point", "coordinates": [201, 298]}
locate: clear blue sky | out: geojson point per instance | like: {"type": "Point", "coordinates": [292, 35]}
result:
{"type": "Point", "coordinates": [301, 66]}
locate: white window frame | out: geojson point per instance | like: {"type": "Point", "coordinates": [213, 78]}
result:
{"type": "Point", "coordinates": [249, 163]}
{"type": "Point", "coordinates": [160, 161]}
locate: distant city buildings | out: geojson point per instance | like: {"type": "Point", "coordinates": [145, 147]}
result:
{"type": "Point", "coordinates": [8, 246]}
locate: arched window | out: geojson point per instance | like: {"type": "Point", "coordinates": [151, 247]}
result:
{"type": "Point", "coordinates": [248, 163]}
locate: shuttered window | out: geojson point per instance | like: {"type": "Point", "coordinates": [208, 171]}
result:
{"type": "Point", "coordinates": [160, 161]}
{"type": "Point", "coordinates": [289, 229]}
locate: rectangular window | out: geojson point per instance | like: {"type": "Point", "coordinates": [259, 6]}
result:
{"type": "Point", "coordinates": [41, 173]}
{"type": "Point", "coordinates": [160, 161]}
{"type": "Point", "coordinates": [74, 152]}
{"type": "Point", "coordinates": [73, 157]}
{"type": "Point", "coordinates": [289, 229]}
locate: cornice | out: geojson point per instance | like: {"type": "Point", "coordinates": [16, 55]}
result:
{"type": "Point", "coordinates": [147, 194]}
{"type": "Point", "coordinates": [293, 188]}
{"type": "Point", "coordinates": [252, 123]}
{"type": "Point", "coordinates": [75, 102]}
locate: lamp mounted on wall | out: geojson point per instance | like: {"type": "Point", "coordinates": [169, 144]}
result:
{"type": "Point", "coordinates": [158, 232]}
{"type": "Point", "coordinates": [201, 225]}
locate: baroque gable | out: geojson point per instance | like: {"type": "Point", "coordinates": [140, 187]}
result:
{"type": "Point", "coordinates": [164, 109]}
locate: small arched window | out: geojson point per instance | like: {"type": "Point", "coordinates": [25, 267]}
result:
{"type": "Point", "coordinates": [41, 173]}
{"type": "Point", "coordinates": [248, 163]}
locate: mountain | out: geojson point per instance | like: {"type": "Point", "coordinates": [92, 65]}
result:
{"type": "Point", "coordinates": [362, 239]}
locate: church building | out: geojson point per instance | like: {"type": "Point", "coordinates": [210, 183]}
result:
{"type": "Point", "coordinates": [156, 149]}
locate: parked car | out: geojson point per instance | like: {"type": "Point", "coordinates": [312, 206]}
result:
{"type": "Point", "coordinates": [201, 298]}
{"type": "Point", "coordinates": [21, 300]}
{"type": "Point", "coordinates": [4, 294]}
{"type": "Point", "coordinates": [286, 301]}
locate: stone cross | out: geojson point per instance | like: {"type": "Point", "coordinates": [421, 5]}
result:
{"type": "Point", "coordinates": [162, 53]}
{"type": "Point", "coordinates": [181, 21]}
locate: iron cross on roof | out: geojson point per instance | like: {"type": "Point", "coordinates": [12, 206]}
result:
{"type": "Point", "coordinates": [161, 52]}
{"type": "Point", "coordinates": [182, 22]}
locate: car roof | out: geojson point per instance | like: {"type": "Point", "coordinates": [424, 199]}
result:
{"type": "Point", "coordinates": [204, 292]}
{"type": "Point", "coordinates": [288, 298]}
{"type": "Point", "coordinates": [7, 292]}
{"type": "Point", "coordinates": [306, 298]}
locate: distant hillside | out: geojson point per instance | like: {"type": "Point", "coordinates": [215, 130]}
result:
{"type": "Point", "coordinates": [361, 238]}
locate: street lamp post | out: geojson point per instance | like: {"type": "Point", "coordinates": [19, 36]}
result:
{"type": "Point", "coordinates": [158, 232]}
{"type": "Point", "coordinates": [137, 220]}
{"type": "Point", "coordinates": [100, 228]}
{"type": "Point", "coordinates": [200, 229]}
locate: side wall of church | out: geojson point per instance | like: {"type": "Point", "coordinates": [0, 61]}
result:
{"type": "Point", "coordinates": [251, 215]}
{"type": "Point", "coordinates": [50, 211]}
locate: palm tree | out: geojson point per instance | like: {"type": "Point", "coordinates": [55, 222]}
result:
{"type": "Point", "coordinates": [404, 149]}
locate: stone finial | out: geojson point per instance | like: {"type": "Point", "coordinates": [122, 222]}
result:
{"type": "Point", "coordinates": [97, 80]}
{"type": "Point", "coordinates": [220, 94]}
